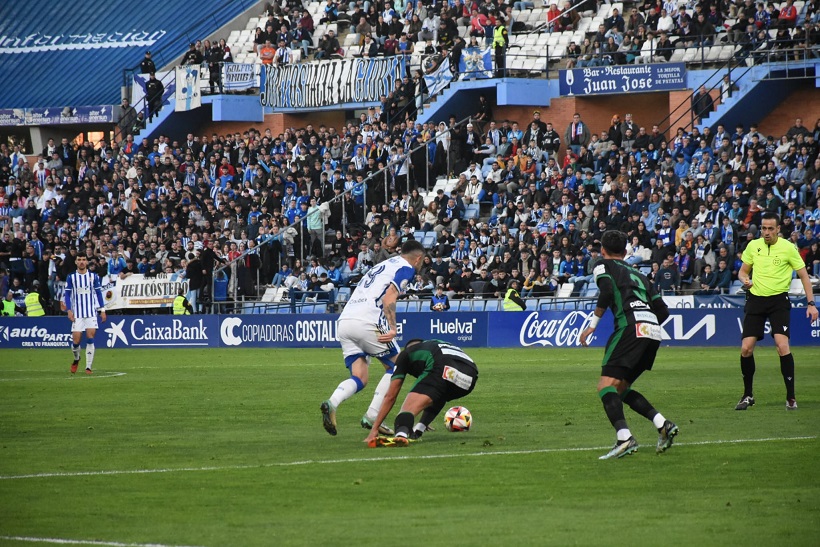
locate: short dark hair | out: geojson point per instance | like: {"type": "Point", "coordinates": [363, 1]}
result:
{"type": "Point", "coordinates": [614, 242]}
{"type": "Point", "coordinates": [412, 246]}
{"type": "Point", "coordinates": [768, 215]}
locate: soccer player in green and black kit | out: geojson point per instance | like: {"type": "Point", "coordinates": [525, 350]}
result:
{"type": "Point", "coordinates": [639, 312]}
{"type": "Point", "coordinates": [772, 260]}
{"type": "Point", "coordinates": [444, 373]}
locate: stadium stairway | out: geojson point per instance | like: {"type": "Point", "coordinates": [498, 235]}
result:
{"type": "Point", "coordinates": [761, 89]}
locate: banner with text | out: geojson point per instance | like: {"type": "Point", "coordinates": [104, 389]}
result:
{"type": "Point", "coordinates": [239, 76]}
{"type": "Point", "coordinates": [60, 115]}
{"type": "Point", "coordinates": [10, 117]}
{"type": "Point", "coordinates": [188, 95]}
{"type": "Point", "coordinates": [138, 291]}
{"type": "Point", "coordinates": [310, 85]}
{"type": "Point", "coordinates": [685, 327]}
{"type": "Point", "coordinates": [619, 79]}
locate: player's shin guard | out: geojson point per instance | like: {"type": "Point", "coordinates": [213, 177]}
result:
{"type": "Point", "coordinates": [747, 368]}
{"type": "Point", "coordinates": [403, 424]}
{"type": "Point", "coordinates": [614, 408]}
{"type": "Point", "coordinates": [639, 404]}
{"type": "Point", "coordinates": [787, 370]}
{"type": "Point", "coordinates": [378, 397]}
{"type": "Point", "coordinates": [89, 351]}
{"type": "Point", "coordinates": [345, 391]}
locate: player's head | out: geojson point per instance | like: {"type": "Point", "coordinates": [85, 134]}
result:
{"type": "Point", "coordinates": [613, 244]}
{"type": "Point", "coordinates": [413, 252]}
{"type": "Point", "coordinates": [412, 342]}
{"type": "Point", "coordinates": [769, 227]}
{"type": "Point", "coordinates": [82, 263]}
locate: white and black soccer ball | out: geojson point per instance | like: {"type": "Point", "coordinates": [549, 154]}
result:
{"type": "Point", "coordinates": [457, 419]}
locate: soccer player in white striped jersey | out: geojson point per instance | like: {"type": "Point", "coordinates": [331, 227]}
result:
{"type": "Point", "coordinates": [367, 328]}
{"type": "Point", "coordinates": [83, 299]}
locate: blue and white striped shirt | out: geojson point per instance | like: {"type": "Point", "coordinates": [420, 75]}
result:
{"type": "Point", "coordinates": [83, 294]}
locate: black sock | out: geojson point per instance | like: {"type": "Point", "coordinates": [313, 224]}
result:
{"type": "Point", "coordinates": [404, 423]}
{"type": "Point", "coordinates": [639, 404]}
{"type": "Point", "coordinates": [747, 368]}
{"type": "Point", "coordinates": [614, 408]}
{"type": "Point", "coordinates": [787, 370]}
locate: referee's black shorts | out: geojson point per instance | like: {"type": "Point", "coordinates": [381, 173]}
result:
{"type": "Point", "coordinates": [777, 309]}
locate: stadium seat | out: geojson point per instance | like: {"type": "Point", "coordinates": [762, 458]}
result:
{"type": "Point", "coordinates": [401, 306]}
{"type": "Point", "coordinates": [796, 288]}
{"type": "Point", "coordinates": [343, 294]}
{"type": "Point", "coordinates": [306, 308]}
{"type": "Point", "coordinates": [479, 304]}
{"type": "Point", "coordinates": [532, 304]}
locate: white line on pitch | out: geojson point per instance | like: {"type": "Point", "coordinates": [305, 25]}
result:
{"type": "Point", "coordinates": [372, 459]}
{"type": "Point", "coordinates": [95, 375]}
{"type": "Point", "coordinates": [84, 542]}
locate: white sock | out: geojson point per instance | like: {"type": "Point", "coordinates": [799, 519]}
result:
{"type": "Point", "coordinates": [623, 434]}
{"type": "Point", "coordinates": [420, 427]}
{"type": "Point", "coordinates": [658, 420]}
{"type": "Point", "coordinates": [345, 391]}
{"type": "Point", "coordinates": [378, 397]}
{"type": "Point", "coordinates": [89, 355]}
{"type": "Point", "coordinates": [76, 351]}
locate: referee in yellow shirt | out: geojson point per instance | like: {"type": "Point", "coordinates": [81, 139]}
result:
{"type": "Point", "coordinates": [772, 259]}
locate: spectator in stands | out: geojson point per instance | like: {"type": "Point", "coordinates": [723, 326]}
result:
{"type": "Point", "coordinates": [667, 279]}
{"type": "Point", "coordinates": [215, 56]}
{"type": "Point", "coordinates": [439, 301]}
{"type": "Point", "coordinates": [788, 16]}
{"type": "Point", "coordinates": [125, 119]}
{"type": "Point", "coordinates": [193, 56]}
{"type": "Point", "coordinates": [147, 64]}
{"type": "Point", "coordinates": [328, 46]}
{"type": "Point", "coordinates": [267, 53]}
{"type": "Point", "coordinates": [577, 134]}
{"type": "Point", "coordinates": [154, 90]}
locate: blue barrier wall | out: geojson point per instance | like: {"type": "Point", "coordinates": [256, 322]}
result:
{"type": "Point", "coordinates": [685, 327]}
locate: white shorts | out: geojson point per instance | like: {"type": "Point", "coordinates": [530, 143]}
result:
{"type": "Point", "coordinates": [360, 339]}
{"type": "Point", "coordinates": [80, 324]}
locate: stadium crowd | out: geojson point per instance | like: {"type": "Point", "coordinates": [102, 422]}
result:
{"type": "Point", "coordinates": [648, 31]}
{"type": "Point", "coordinates": [689, 204]}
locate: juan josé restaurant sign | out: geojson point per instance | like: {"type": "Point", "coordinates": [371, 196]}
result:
{"type": "Point", "coordinates": [622, 79]}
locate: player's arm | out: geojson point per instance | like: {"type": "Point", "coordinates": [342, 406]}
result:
{"type": "Point", "coordinates": [745, 276]}
{"type": "Point", "coordinates": [387, 405]}
{"type": "Point", "coordinates": [69, 290]}
{"type": "Point", "coordinates": [98, 294]}
{"type": "Point", "coordinates": [811, 311]}
{"type": "Point", "coordinates": [389, 309]}
{"type": "Point", "coordinates": [606, 295]}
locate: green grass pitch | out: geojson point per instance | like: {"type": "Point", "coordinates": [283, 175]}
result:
{"type": "Point", "coordinates": [226, 448]}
